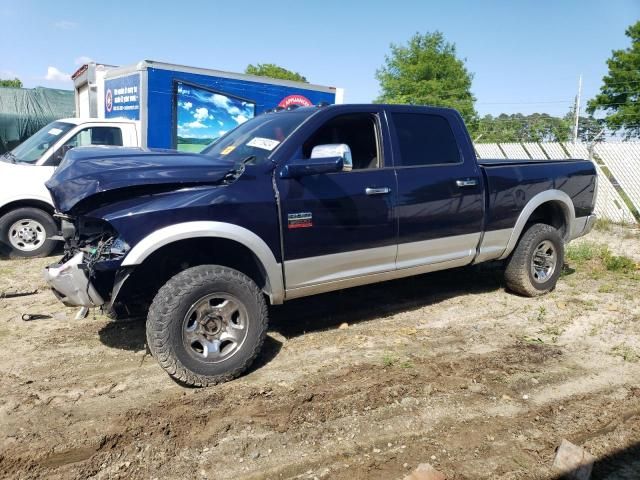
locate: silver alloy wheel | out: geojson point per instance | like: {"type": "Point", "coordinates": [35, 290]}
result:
{"type": "Point", "coordinates": [27, 235]}
{"type": "Point", "coordinates": [543, 261]}
{"type": "Point", "coordinates": [215, 327]}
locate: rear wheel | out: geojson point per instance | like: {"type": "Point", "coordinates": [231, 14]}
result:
{"type": "Point", "coordinates": [26, 232]}
{"type": "Point", "coordinates": [535, 265]}
{"type": "Point", "coordinates": [207, 324]}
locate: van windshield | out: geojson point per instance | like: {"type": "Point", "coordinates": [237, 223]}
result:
{"type": "Point", "coordinates": [31, 150]}
{"type": "Point", "coordinates": [257, 137]}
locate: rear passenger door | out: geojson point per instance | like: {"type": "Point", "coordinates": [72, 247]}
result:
{"type": "Point", "coordinates": [440, 198]}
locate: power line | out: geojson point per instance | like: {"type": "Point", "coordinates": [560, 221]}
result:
{"type": "Point", "coordinates": [525, 103]}
{"type": "Point", "coordinates": [620, 83]}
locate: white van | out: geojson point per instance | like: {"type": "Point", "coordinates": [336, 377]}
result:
{"type": "Point", "coordinates": [27, 226]}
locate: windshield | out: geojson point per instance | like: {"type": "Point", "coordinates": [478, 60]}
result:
{"type": "Point", "coordinates": [33, 147]}
{"type": "Point", "coordinates": [257, 137]}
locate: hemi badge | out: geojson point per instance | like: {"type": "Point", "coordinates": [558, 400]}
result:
{"type": "Point", "coordinates": [300, 220]}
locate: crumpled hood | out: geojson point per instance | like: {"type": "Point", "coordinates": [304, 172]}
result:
{"type": "Point", "coordinates": [87, 171]}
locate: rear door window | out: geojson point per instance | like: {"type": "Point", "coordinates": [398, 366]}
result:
{"type": "Point", "coordinates": [87, 137]}
{"type": "Point", "coordinates": [424, 139]}
{"type": "Point", "coordinates": [96, 136]}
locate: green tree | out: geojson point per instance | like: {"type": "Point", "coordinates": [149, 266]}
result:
{"type": "Point", "coordinates": [426, 71]}
{"type": "Point", "coordinates": [537, 127]}
{"type": "Point", "coordinates": [620, 93]}
{"type": "Point", "coordinates": [272, 70]}
{"type": "Point", "coordinates": [589, 127]}
{"type": "Point", "coordinates": [15, 83]}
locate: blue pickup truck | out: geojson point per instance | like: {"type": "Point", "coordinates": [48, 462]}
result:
{"type": "Point", "coordinates": [295, 203]}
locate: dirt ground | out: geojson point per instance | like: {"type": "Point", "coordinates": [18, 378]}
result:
{"type": "Point", "coordinates": [445, 368]}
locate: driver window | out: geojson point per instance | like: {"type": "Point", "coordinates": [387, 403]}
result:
{"type": "Point", "coordinates": [358, 131]}
{"type": "Point", "coordinates": [96, 136]}
{"type": "Point", "coordinates": [80, 139]}
{"type": "Point", "coordinates": [110, 136]}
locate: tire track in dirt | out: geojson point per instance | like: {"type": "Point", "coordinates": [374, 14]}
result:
{"type": "Point", "coordinates": [440, 362]}
{"type": "Point", "coordinates": [422, 408]}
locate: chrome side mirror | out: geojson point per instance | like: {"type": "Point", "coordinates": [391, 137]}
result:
{"type": "Point", "coordinates": [333, 150]}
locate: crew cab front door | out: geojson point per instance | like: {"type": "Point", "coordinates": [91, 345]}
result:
{"type": "Point", "coordinates": [340, 225]}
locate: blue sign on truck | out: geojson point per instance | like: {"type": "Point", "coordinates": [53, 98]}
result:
{"type": "Point", "coordinates": [122, 97]}
{"type": "Point", "coordinates": [186, 108]}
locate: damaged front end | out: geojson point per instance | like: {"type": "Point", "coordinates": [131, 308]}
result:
{"type": "Point", "coordinates": [110, 198]}
{"type": "Point", "coordinates": [85, 274]}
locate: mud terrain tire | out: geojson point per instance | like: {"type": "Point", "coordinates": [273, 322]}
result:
{"type": "Point", "coordinates": [206, 325]}
{"type": "Point", "coordinates": [535, 265]}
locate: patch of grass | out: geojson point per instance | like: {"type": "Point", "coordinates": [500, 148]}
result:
{"type": "Point", "coordinates": [585, 251]}
{"type": "Point", "coordinates": [603, 225]}
{"type": "Point", "coordinates": [622, 264]}
{"type": "Point", "coordinates": [606, 288]}
{"type": "Point", "coordinates": [532, 341]}
{"type": "Point", "coordinates": [552, 330]}
{"type": "Point", "coordinates": [600, 258]}
{"type": "Point", "coordinates": [624, 351]}
{"type": "Point", "coordinates": [583, 304]}
{"type": "Point", "coordinates": [540, 314]}
{"type": "Point", "coordinates": [388, 360]}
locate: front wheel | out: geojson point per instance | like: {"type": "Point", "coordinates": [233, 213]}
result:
{"type": "Point", "coordinates": [535, 265]}
{"type": "Point", "coordinates": [206, 325]}
{"type": "Point", "coordinates": [26, 232]}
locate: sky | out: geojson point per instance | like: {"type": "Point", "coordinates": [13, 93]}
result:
{"type": "Point", "coordinates": [526, 55]}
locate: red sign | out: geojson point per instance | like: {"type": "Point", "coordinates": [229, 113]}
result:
{"type": "Point", "coordinates": [299, 100]}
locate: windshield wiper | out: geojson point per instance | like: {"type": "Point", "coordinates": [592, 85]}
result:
{"type": "Point", "coordinates": [238, 168]}
{"type": "Point", "coordinates": [10, 156]}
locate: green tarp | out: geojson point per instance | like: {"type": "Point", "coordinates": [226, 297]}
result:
{"type": "Point", "coordinates": [24, 111]}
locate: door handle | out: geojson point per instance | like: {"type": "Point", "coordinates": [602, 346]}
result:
{"type": "Point", "coordinates": [377, 191]}
{"type": "Point", "coordinates": [467, 182]}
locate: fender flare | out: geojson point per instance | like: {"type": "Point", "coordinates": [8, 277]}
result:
{"type": "Point", "coordinates": [26, 199]}
{"type": "Point", "coordinates": [556, 196]}
{"type": "Point", "coordinates": [183, 231]}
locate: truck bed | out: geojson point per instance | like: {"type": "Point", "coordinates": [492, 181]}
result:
{"type": "Point", "coordinates": [510, 184]}
{"type": "Point", "coordinates": [490, 162]}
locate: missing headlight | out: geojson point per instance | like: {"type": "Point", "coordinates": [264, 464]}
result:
{"type": "Point", "coordinates": [119, 247]}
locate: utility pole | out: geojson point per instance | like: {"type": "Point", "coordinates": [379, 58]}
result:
{"type": "Point", "coordinates": [577, 119]}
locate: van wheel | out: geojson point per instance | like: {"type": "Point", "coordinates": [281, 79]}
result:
{"type": "Point", "coordinates": [536, 263]}
{"type": "Point", "coordinates": [206, 325]}
{"type": "Point", "coordinates": [27, 232]}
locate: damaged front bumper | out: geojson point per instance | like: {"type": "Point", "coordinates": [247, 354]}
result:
{"type": "Point", "coordinates": [70, 283]}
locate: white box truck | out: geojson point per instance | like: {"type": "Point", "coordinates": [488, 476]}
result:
{"type": "Point", "coordinates": [149, 105]}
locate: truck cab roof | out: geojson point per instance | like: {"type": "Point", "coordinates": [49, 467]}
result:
{"type": "Point", "coordinates": [80, 121]}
